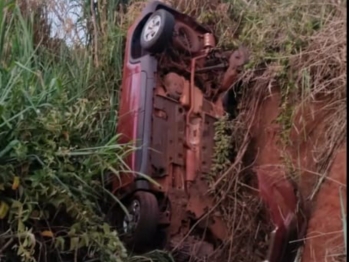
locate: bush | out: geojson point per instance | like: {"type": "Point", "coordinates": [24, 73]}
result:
{"type": "Point", "coordinates": [57, 142]}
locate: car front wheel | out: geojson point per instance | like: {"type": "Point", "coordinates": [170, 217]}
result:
{"type": "Point", "coordinates": [157, 31]}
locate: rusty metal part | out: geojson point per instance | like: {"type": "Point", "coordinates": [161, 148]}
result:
{"type": "Point", "coordinates": [219, 108]}
{"type": "Point", "coordinates": [186, 38]}
{"type": "Point", "coordinates": [190, 112]}
{"type": "Point", "coordinates": [174, 85]}
{"type": "Point", "coordinates": [192, 118]}
{"type": "Point", "coordinates": [179, 223]}
{"type": "Point", "coordinates": [200, 206]}
{"type": "Point", "coordinates": [209, 41]}
{"type": "Point", "coordinates": [168, 133]}
{"type": "Point", "coordinates": [193, 154]}
{"type": "Point", "coordinates": [185, 98]}
{"type": "Point", "coordinates": [190, 165]}
{"type": "Point", "coordinates": [209, 68]}
{"type": "Point", "coordinates": [187, 191]}
{"type": "Point", "coordinates": [236, 61]}
{"type": "Point", "coordinates": [160, 91]}
{"type": "Point", "coordinates": [198, 98]}
{"type": "Point", "coordinates": [182, 145]}
{"type": "Point", "coordinates": [207, 141]}
{"type": "Point", "coordinates": [192, 84]}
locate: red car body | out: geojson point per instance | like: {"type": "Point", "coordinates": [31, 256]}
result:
{"type": "Point", "coordinates": [139, 98]}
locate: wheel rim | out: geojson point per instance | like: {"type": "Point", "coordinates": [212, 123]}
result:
{"type": "Point", "coordinates": [131, 221]}
{"type": "Point", "coordinates": [152, 28]}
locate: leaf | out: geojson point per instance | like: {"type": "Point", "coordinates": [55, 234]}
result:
{"type": "Point", "coordinates": [21, 226]}
{"type": "Point", "coordinates": [74, 243]}
{"type": "Point", "coordinates": [15, 183]}
{"type": "Point", "coordinates": [4, 208]}
{"type": "Point", "coordinates": [47, 233]}
{"type": "Point", "coordinates": [59, 243]}
{"type": "Point", "coordinates": [106, 228]}
{"type": "Point", "coordinates": [8, 148]}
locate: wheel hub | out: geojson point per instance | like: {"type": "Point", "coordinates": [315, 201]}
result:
{"type": "Point", "coordinates": [131, 220]}
{"type": "Point", "coordinates": [152, 28]}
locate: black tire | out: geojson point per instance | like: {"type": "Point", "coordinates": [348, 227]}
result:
{"type": "Point", "coordinates": [162, 37]}
{"type": "Point", "coordinates": [191, 42]}
{"type": "Point", "coordinates": [229, 102]}
{"type": "Point", "coordinates": [142, 236]}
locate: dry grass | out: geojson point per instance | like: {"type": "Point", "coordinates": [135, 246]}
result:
{"type": "Point", "coordinates": [321, 67]}
{"type": "Point", "coordinates": [236, 194]}
{"type": "Point", "coordinates": [134, 9]}
{"type": "Point", "coordinates": [298, 47]}
{"type": "Point", "coordinates": [322, 76]}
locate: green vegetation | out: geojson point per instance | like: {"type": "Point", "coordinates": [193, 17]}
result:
{"type": "Point", "coordinates": [58, 142]}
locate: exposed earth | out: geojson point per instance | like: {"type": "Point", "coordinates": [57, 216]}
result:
{"type": "Point", "coordinates": [324, 241]}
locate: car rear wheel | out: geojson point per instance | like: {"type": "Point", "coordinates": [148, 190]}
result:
{"type": "Point", "coordinates": [140, 226]}
{"type": "Point", "coordinates": [157, 31]}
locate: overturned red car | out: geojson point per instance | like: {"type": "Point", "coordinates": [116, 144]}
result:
{"type": "Point", "coordinates": [173, 91]}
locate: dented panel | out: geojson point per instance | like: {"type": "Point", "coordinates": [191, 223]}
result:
{"type": "Point", "coordinates": [167, 135]}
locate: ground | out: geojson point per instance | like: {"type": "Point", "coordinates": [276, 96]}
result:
{"type": "Point", "coordinates": [325, 231]}
{"type": "Point", "coordinates": [324, 241]}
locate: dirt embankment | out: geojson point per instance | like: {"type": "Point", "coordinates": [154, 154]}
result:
{"type": "Point", "coordinates": [300, 158]}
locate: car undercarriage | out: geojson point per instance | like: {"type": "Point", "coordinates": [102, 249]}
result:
{"type": "Point", "coordinates": [174, 89]}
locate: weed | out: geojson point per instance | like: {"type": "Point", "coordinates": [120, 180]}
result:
{"type": "Point", "coordinates": [57, 133]}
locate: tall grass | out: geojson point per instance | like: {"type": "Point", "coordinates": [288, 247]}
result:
{"type": "Point", "coordinates": [57, 142]}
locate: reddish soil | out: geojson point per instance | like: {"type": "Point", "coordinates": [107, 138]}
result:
{"type": "Point", "coordinates": [264, 133]}
{"type": "Point", "coordinates": [325, 236]}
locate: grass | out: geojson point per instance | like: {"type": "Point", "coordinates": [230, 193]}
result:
{"type": "Point", "coordinates": [58, 141]}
